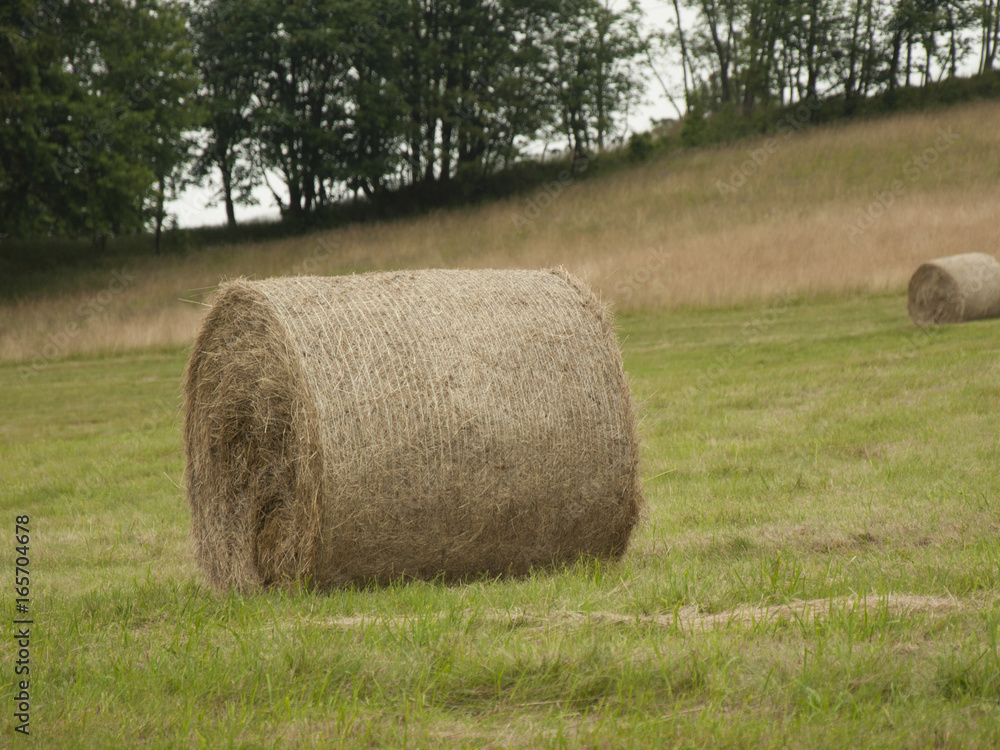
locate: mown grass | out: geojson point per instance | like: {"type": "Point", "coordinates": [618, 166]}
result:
{"type": "Point", "coordinates": [818, 450]}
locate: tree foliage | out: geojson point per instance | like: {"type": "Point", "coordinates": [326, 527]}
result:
{"type": "Point", "coordinates": [743, 53]}
{"type": "Point", "coordinates": [97, 98]}
{"type": "Point", "coordinates": [109, 107]}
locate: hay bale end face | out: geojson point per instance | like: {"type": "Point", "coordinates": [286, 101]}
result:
{"type": "Point", "coordinates": [421, 424]}
{"type": "Point", "coordinates": [955, 289]}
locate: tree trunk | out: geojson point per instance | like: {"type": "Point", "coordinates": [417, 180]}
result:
{"type": "Point", "coordinates": [294, 197]}
{"type": "Point", "coordinates": [867, 63]}
{"type": "Point", "coordinates": [431, 142]}
{"type": "Point", "coordinates": [684, 54]}
{"type": "Point", "coordinates": [414, 157]}
{"type": "Point", "coordinates": [159, 214]}
{"type": "Point", "coordinates": [308, 191]}
{"type": "Point", "coordinates": [852, 59]}
{"type": "Point", "coordinates": [227, 193]}
{"type": "Point", "coordinates": [996, 36]}
{"type": "Point", "coordinates": [909, 57]}
{"type": "Point", "coordinates": [984, 37]}
{"type": "Point", "coordinates": [952, 44]}
{"type": "Point", "coordinates": [897, 48]}
{"type": "Point", "coordinates": [446, 130]}
{"type": "Point", "coordinates": [722, 51]}
{"type": "Point", "coordinates": [929, 46]}
{"type": "Point", "coordinates": [991, 34]}
{"type": "Point", "coordinates": [811, 63]}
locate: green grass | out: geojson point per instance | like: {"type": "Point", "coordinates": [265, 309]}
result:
{"type": "Point", "coordinates": [819, 449]}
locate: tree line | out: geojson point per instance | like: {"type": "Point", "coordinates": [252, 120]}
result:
{"type": "Point", "coordinates": [108, 108]}
{"type": "Point", "coordinates": [743, 53]}
{"type": "Point", "coordinates": [361, 98]}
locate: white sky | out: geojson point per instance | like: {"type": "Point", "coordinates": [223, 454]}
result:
{"type": "Point", "coordinates": [191, 211]}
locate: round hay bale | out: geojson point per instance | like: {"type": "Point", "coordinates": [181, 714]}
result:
{"type": "Point", "coordinates": [955, 289]}
{"type": "Point", "coordinates": [431, 424]}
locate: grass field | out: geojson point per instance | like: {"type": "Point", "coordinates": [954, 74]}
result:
{"type": "Point", "coordinates": [818, 568]}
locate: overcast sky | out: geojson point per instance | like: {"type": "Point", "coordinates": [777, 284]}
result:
{"type": "Point", "coordinates": [191, 211]}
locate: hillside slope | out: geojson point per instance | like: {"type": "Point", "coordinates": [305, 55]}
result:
{"type": "Point", "coordinates": [844, 208]}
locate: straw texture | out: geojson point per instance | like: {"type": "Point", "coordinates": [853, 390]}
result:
{"type": "Point", "coordinates": [420, 424]}
{"type": "Point", "coordinates": [955, 289]}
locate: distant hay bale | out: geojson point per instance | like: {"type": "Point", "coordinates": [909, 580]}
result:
{"type": "Point", "coordinates": [955, 289]}
{"type": "Point", "coordinates": [421, 424]}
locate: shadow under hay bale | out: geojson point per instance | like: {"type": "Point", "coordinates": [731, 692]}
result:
{"type": "Point", "coordinates": [955, 289]}
{"type": "Point", "coordinates": [432, 424]}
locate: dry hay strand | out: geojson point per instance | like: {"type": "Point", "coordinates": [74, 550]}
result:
{"type": "Point", "coordinates": [689, 619]}
{"type": "Point", "coordinates": [429, 424]}
{"type": "Point", "coordinates": [955, 289]}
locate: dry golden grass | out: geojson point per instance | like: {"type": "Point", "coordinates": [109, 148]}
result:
{"type": "Point", "coordinates": [659, 235]}
{"type": "Point", "coordinates": [688, 618]}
